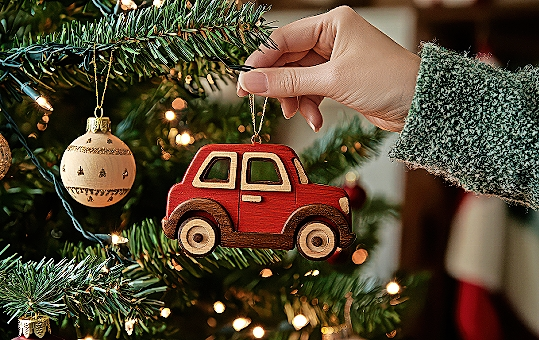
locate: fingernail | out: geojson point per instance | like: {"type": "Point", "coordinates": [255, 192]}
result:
{"type": "Point", "coordinates": [254, 82]}
{"type": "Point", "coordinates": [315, 129]}
{"type": "Point", "coordinates": [239, 91]}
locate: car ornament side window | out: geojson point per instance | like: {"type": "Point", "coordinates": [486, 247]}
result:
{"type": "Point", "coordinates": [218, 171]}
{"type": "Point", "coordinates": [264, 171]}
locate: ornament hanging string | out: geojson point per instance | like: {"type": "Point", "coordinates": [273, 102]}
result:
{"type": "Point", "coordinates": [99, 105]}
{"type": "Point", "coordinates": [256, 132]}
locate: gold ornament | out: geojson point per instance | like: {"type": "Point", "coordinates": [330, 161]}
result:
{"type": "Point", "coordinates": [5, 156]}
{"type": "Point", "coordinates": [98, 169]}
{"type": "Point", "coordinates": [38, 325]}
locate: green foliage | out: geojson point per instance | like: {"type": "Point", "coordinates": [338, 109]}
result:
{"type": "Point", "coordinates": [73, 289]}
{"type": "Point", "coordinates": [160, 257]}
{"type": "Point", "coordinates": [198, 37]}
{"type": "Point", "coordinates": [346, 145]}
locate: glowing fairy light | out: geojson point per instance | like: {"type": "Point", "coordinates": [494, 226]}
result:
{"type": "Point", "coordinates": [393, 288]}
{"type": "Point", "coordinates": [170, 115]}
{"type": "Point", "coordinates": [44, 103]}
{"type": "Point", "coordinates": [165, 312]}
{"type": "Point", "coordinates": [299, 321]}
{"type": "Point", "coordinates": [240, 323]}
{"type": "Point", "coordinates": [258, 332]}
{"type": "Point", "coordinates": [184, 139]}
{"type": "Point", "coordinates": [266, 272]}
{"type": "Point", "coordinates": [118, 239]}
{"type": "Point", "coordinates": [219, 307]}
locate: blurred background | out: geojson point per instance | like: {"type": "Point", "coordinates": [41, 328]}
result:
{"type": "Point", "coordinates": [481, 252]}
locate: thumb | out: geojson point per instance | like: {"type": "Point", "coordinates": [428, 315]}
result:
{"type": "Point", "coordinates": [282, 82]}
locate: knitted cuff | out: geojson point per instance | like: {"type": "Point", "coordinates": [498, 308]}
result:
{"type": "Point", "coordinates": [475, 125]}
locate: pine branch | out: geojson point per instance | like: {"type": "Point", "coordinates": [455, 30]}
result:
{"type": "Point", "coordinates": [162, 258]}
{"type": "Point", "coordinates": [146, 42]}
{"type": "Point", "coordinates": [372, 309]}
{"type": "Point", "coordinates": [342, 147]}
{"type": "Point", "coordinates": [74, 289]}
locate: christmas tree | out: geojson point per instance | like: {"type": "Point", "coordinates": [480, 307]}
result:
{"type": "Point", "coordinates": [110, 272]}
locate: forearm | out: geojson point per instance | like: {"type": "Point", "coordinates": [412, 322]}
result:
{"type": "Point", "coordinates": [475, 125]}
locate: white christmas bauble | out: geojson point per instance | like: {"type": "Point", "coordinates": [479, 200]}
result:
{"type": "Point", "coordinates": [5, 156]}
{"type": "Point", "coordinates": [98, 169]}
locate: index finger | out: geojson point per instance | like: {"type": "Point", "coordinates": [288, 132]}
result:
{"type": "Point", "coordinates": [298, 36]}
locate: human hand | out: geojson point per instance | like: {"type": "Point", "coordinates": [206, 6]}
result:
{"type": "Point", "coordinates": [338, 55]}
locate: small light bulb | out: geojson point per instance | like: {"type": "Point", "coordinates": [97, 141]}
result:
{"type": "Point", "coordinates": [170, 115]}
{"type": "Point", "coordinates": [240, 323]}
{"type": "Point", "coordinates": [130, 326]}
{"type": "Point", "coordinates": [117, 239]}
{"type": "Point", "coordinates": [219, 307]}
{"type": "Point", "coordinates": [393, 288]}
{"type": "Point", "coordinates": [165, 312]}
{"type": "Point", "coordinates": [299, 321]}
{"type": "Point", "coordinates": [44, 103]}
{"type": "Point", "coordinates": [258, 332]}
{"type": "Point", "coordinates": [316, 272]}
{"type": "Point", "coordinates": [183, 139]}
{"type": "Point", "coordinates": [157, 3]}
{"type": "Point", "coordinates": [266, 272]}
{"type": "Point", "coordinates": [350, 177]}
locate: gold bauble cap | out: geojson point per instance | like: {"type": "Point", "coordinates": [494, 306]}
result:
{"type": "Point", "coordinates": [98, 124]}
{"type": "Point", "coordinates": [38, 325]}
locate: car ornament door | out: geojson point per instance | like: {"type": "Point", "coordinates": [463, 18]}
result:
{"type": "Point", "coordinates": [266, 195]}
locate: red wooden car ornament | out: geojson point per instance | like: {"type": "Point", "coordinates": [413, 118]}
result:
{"type": "Point", "coordinates": [255, 196]}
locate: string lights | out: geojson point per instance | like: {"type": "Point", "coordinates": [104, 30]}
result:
{"type": "Point", "coordinates": [34, 94]}
{"type": "Point", "coordinates": [165, 312]}
{"type": "Point", "coordinates": [130, 326]}
{"type": "Point", "coordinates": [170, 115]}
{"type": "Point", "coordinates": [299, 321]}
{"type": "Point", "coordinates": [266, 272]}
{"type": "Point", "coordinates": [258, 332]}
{"type": "Point", "coordinates": [128, 5]}
{"type": "Point", "coordinates": [393, 288]}
{"type": "Point", "coordinates": [219, 307]}
{"type": "Point", "coordinates": [118, 239]}
{"type": "Point", "coordinates": [240, 323]}
{"type": "Point", "coordinates": [184, 139]}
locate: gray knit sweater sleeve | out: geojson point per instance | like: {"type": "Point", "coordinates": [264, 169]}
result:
{"type": "Point", "coordinates": [475, 125]}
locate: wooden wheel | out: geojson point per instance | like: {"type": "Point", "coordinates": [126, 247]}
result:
{"type": "Point", "coordinates": [316, 241]}
{"type": "Point", "coordinates": [197, 236]}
